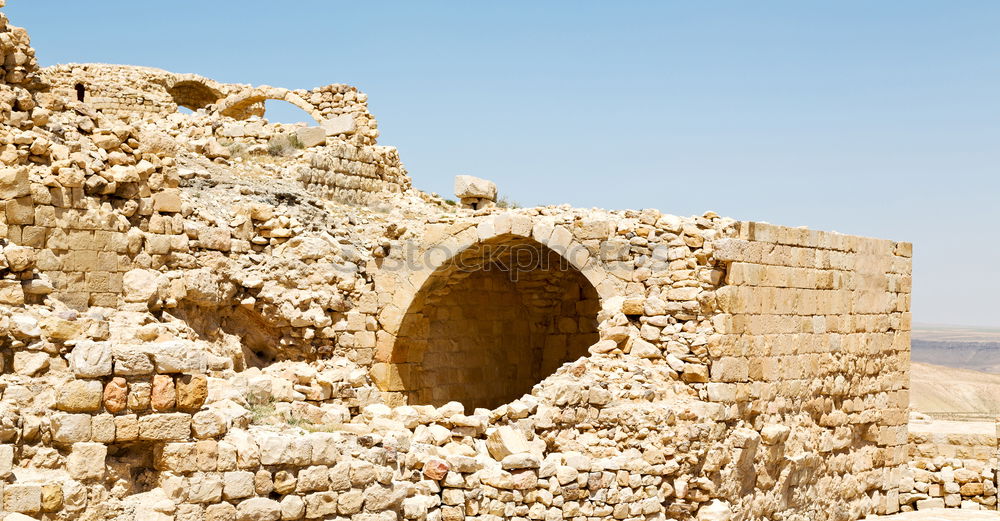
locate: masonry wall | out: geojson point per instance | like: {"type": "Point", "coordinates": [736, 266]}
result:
{"type": "Point", "coordinates": [126, 92]}
{"type": "Point", "coordinates": [814, 334]}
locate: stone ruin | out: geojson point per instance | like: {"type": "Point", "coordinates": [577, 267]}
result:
{"type": "Point", "coordinates": [209, 316]}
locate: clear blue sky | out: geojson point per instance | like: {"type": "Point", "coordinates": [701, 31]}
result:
{"type": "Point", "coordinates": [871, 118]}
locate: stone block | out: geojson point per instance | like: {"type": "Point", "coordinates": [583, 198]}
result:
{"type": "Point", "coordinates": [163, 396]}
{"type": "Point", "coordinates": [102, 428]}
{"type": "Point", "coordinates": [311, 136]}
{"type": "Point", "coordinates": [138, 396]}
{"type": "Point", "coordinates": [165, 427]}
{"type": "Point", "coordinates": [130, 362]}
{"type": "Point", "coordinates": [115, 393]}
{"type": "Point", "coordinates": [22, 498]}
{"type": "Point", "coordinates": [86, 461]}
{"type": "Point", "coordinates": [342, 124]}
{"type": "Point", "coordinates": [207, 424]}
{"type": "Point", "coordinates": [258, 509]}
{"type": "Point", "coordinates": [80, 396]}
{"type": "Point", "coordinates": [506, 440]}
{"type": "Point", "coordinates": [20, 211]}
{"type": "Point", "coordinates": [348, 503]}
{"type": "Point", "coordinates": [126, 428]}
{"type": "Point", "coordinates": [237, 485]}
{"type": "Point", "coordinates": [262, 483]}
{"type": "Point", "coordinates": [14, 182]}
{"type": "Point", "coordinates": [91, 359]}
{"type": "Point", "coordinates": [219, 239]}
{"type": "Point", "coordinates": [192, 391]}
{"type": "Point", "coordinates": [167, 201]}
{"type": "Point", "coordinates": [292, 507]}
{"type": "Point", "coordinates": [176, 457]}
{"type": "Point", "coordinates": [52, 497]}
{"type": "Point", "coordinates": [220, 512]}
{"type": "Point", "coordinates": [70, 428]}
{"type": "Point", "coordinates": [313, 479]}
{"type": "Point", "coordinates": [205, 488]}
{"type": "Point", "coordinates": [6, 460]}
{"type": "Point", "coordinates": [30, 363]}
{"type": "Point", "coordinates": [11, 293]}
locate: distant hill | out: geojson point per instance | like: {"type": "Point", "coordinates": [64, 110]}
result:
{"type": "Point", "coordinates": [950, 393]}
{"type": "Point", "coordinates": [960, 347]}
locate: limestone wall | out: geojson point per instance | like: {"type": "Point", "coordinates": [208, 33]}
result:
{"type": "Point", "coordinates": [345, 173]}
{"type": "Point", "coordinates": [814, 335]}
{"type": "Point", "coordinates": [127, 92]}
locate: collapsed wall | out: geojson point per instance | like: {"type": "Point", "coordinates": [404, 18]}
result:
{"type": "Point", "coordinates": [196, 328]}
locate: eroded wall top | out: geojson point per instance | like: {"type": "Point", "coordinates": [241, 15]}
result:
{"type": "Point", "coordinates": [131, 92]}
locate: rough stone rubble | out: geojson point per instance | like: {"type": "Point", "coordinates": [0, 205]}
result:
{"type": "Point", "coordinates": [210, 316]}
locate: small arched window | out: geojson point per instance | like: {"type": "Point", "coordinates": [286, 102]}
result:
{"type": "Point", "coordinates": [81, 92]}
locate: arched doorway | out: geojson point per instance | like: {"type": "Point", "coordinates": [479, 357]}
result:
{"type": "Point", "coordinates": [491, 323]}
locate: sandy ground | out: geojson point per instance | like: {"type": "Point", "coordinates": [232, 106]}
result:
{"type": "Point", "coordinates": [937, 389]}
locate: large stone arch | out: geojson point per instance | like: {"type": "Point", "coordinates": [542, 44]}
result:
{"type": "Point", "coordinates": [193, 93]}
{"type": "Point", "coordinates": [488, 310]}
{"type": "Point", "coordinates": [247, 103]}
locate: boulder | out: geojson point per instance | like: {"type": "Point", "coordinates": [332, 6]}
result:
{"type": "Point", "coordinates": [469, 187]}
{"type": "Point", "coordinates": [505, 441]}
{"type": "Point", "coordinates": [19, 258]}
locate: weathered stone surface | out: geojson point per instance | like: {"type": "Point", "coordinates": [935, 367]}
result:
{"type": "Point", "coordinates": [311, 136]}
{"type": "Point", "coordinates": [14, 182]}
{"type": "Point", "coordinates": [141, 285]}
{"type": "Point", "coordinates": [91, 359]}
{"type": "Point", "coordinates": [30, 363]}
{"type": "Point", "coordinates": [165, 427]}
{"type": "Point", "coordinates": [467, 186]}
{"type": "Point", "coordinates": [167, 201]}
{"type": "Point", "coordinates": [192, 391]}
{"type": "Point", "coordinates": [163, 396]}
{"type": "Point", "coordinates": [22, 498]}
{"type": "Point", "coordinates": [139, 396]}
{"type": "Point", "coordinates": [258, 509]}
{"type": "Point", "coordinates": [504, 441]}
{"type": "Point", "coordinates": [80, 396]}
{"type": "Point", "coordinates": [86, 461]}
{"type": "Point", "coordinates": [11, 293]}
{"type": "Point", "coordinates": [116, 395]}
{"type": "Point", "coordinates": [238, 485]}
{"type": "Point", "coordinates": [70, 428]}
{"type": "Point", "coordinates": [131, 363]}
{"type": "Point", "coordinates": [6, 460]}
{"type": "Point", "coordinates": [342, 124]}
